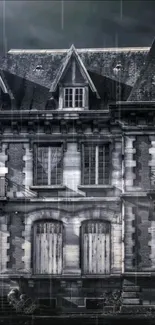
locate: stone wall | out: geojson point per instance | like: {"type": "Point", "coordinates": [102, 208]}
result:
{"type": "Point", "coordinates": [138, 237]}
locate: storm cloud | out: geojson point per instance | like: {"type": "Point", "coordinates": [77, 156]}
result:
{"type": "Point", "coordinates": [58, 24]}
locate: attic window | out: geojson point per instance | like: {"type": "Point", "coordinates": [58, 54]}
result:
{"type": "Point", "coordinates": [117, 69]}
{"type": "Point", "coordinates": [74, 97]}
{"type": "Point", "coordinates": [39, 67]}
{"type": "Point", "coordinates": [118, 66]}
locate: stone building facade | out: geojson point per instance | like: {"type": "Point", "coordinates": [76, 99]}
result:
{"type": "Point", "coordinates": [77, 175]}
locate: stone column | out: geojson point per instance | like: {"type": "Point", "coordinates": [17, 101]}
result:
{"type": "Point", "coordinates": [71, 253]}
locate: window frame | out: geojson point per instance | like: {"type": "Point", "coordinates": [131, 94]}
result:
{"type": "Point", "coordinates": [73, 97]}
{"type": "Point", "coordinates": [97, 144]}
{"type": "Point", "coordinates": [48, 144]}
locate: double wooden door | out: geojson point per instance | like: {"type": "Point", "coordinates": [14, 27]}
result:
{"type": "Point", "coordinates": [96, 247]}
{"type": "Point", "coordinates": [47, 247]}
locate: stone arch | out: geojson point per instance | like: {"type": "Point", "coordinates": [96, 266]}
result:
{"type": "Point", "coordinates": [48, 213]}
{"type": "Point", "coordinates": [101, 213]}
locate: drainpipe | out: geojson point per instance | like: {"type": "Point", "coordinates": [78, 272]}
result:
{"type": "Point", "coordinates": [122, 204]}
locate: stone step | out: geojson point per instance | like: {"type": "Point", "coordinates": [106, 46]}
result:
{"type": "Point", "coordinates": [131, 288]}
{"type": "Point", "coordinates": [132, 309]}
{"type": "Point", "coordinates": [134, 301]}
{"type": "Point", "coordinates": [130, 295]}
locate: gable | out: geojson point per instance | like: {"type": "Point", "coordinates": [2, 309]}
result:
{"type": "Point", "coordinates": [72, 54]}
{"type": "Point", "coordinates": [73, 74]}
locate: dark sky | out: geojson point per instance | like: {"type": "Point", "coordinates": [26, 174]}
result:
{"type": "Point", "coordinates": [58, 24]}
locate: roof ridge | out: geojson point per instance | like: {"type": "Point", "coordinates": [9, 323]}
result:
{"type": "Point", "coordinates": [104, 49]}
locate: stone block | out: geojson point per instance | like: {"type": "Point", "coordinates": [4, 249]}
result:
{"type": "Point", "coordinates": [131, 301]}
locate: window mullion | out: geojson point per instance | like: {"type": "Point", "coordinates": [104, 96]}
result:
{"type": "Point", "coordinates": [83, 97]}
{"type": "Point", "coordinates": [96, 164]}
{"type": "Point", "coordinates": [89, 152]}
{"type": "Point", "coordinates": [104, 158]}
{"type": "Point", "coordinates": [49, 165]}
{"type": "Point", "coordinates": [73, 98]}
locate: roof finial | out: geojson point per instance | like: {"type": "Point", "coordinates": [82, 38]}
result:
{"type": "Point", "coordinates": [72, 48]}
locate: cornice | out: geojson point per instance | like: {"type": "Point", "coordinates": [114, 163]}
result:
{"type": "Point", "coordinates": [16, 115]}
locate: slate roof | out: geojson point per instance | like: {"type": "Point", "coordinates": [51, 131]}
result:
{"type": "Point", "coordinates": [144, 88]}
{"type": "Point", "coordinates": [27, 94]}
{"type": "Point", "coordinates": [107, 88]}
{"type": "Point", "coordinates": [23, 63]}
{"type": "Point", "coordinates": [30, 73]}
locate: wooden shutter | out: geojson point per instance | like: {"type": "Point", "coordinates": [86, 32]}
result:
{"type": "Point", "coordinates": [47, 248]}
{"type": "Point", "coordinates": [96, 247]}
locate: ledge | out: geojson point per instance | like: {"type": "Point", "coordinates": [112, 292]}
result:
{"type": "Point", "coordinates": [78, 276]}
{"type": "Point", "coordinates": [139, 274]}
{"type": "Point", "coordinates": [134, 194]}
{"type": "Point", "coordinates": [151, 194]}
{"type": "Point", "coordinates": [3, 198]}
{"type": "Point", "coordinates": [47, 187]}
{"type": "Point", "coordinates": [65, 199]}
{"type": "Point", "coordinates": [95, 187]}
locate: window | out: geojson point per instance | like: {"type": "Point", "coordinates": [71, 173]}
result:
{"type": "Point", "coordinates": [74, 97]}
{"type": "Point", "coordinates": [95, 164]}
{"type": "Point", "coordinates": [47, 247]}
{"type": "Point", "coordinates": [48, 165]}
{"type": "Point", "coordinates": [96, 247]}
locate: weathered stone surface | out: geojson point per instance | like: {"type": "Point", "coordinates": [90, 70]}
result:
{"type": "Point", "coordinates": [131, 301]}
{"type": "Point", "coordinates": [131, 288]}
{"type": "Point", "coordinates": [16, 240]}
{"type": "Point", "coordinates": [129, 295]}
{"type": "Point", "coordinates": [15, 166]}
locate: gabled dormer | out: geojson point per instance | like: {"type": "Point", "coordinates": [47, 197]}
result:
{"type": "Point", "coordinates": [73, 83]}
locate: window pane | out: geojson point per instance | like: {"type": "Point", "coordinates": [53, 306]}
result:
{"type": "Point", "coordinates": [91, 166]}
{"type": "Point", "coordinates": [48, 165]}
{"type": "Point", "coordinates": [56, 165]}
{"type": "Point", "coordinates": [68, 100]}
{"type": "Point", "coordinates": [79, 97]}
{"type": "Point", "coordinates": [41, 162]}
{"type": "Point", "coordinates": [103, 167]}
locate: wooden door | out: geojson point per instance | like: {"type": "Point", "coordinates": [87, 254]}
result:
{"type": "Point", "coordinates": [47, 247]}
{"type": "Point", "coordinates": [96, 247]}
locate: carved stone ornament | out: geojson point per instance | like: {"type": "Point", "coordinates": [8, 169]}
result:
{"type": "Point", "coordinates": [112, 298]}
{"type": "Point", "coordinates": [21, 302]}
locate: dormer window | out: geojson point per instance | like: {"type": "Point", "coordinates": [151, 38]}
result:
{"type": "Point", "coordinates": [74, 97]}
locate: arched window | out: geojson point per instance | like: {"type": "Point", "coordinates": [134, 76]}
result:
{"type": "Point", "coordinates": [47, 247]}
{"type": "Point", "coordinates": [95, 247]}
